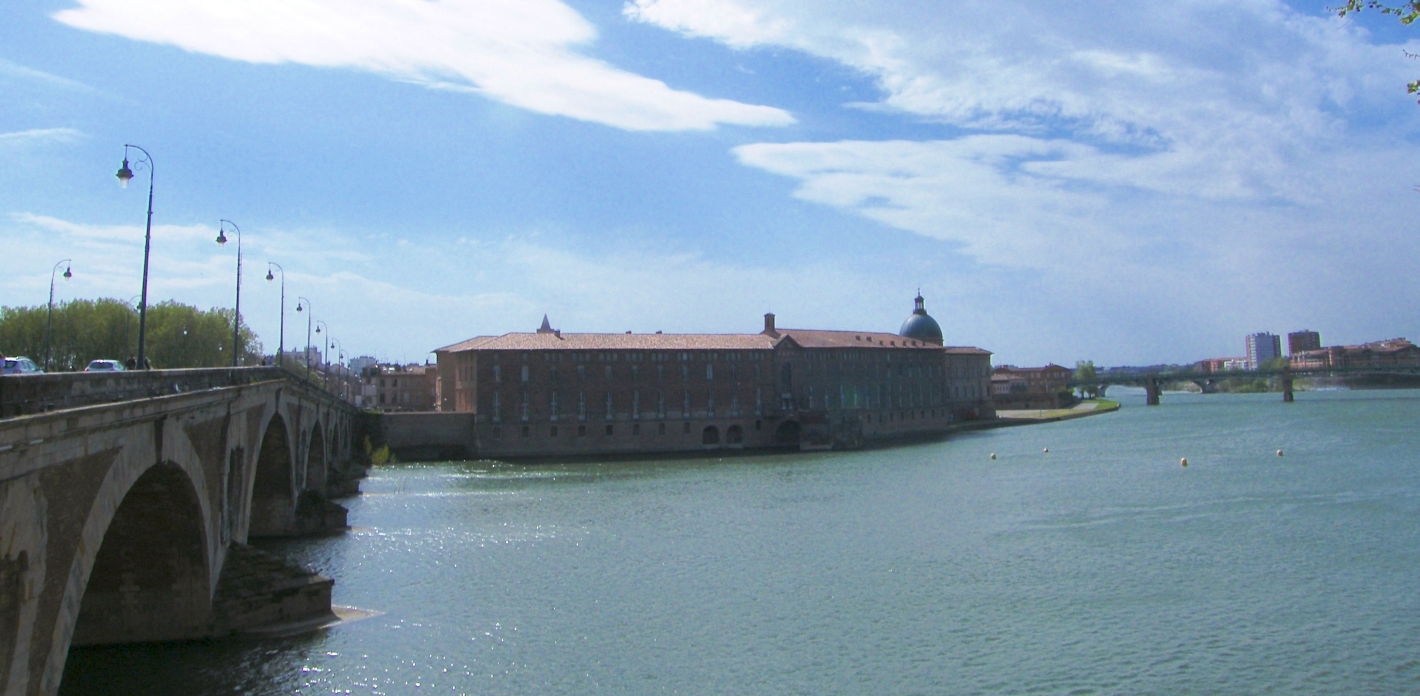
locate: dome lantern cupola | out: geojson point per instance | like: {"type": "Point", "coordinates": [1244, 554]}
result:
{"type": "Point", "coordinates": [921, 325]}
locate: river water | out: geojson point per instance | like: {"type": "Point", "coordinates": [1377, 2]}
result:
{"type": "Point", "coordinates": [1102, 566]}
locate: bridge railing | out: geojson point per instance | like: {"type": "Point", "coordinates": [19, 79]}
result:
{"type": "Point", "coordinates": [26, 394]}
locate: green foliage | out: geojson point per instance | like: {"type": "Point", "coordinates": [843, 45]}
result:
{"type": "Point", "coordinates": [1085, 373]}
{"type": "Point", "coordinates": [178, 335]}
{"type": "Point", "coordinates": [1406, 12]}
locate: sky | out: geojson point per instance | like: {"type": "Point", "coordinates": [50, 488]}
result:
{"type": "Point", "coordinates": [1126, 182]}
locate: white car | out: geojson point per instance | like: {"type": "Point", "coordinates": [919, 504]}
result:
{"type": "Point", "coordinates": [104, 366]}
{"type": "Point", "coordinates": [20, 366]}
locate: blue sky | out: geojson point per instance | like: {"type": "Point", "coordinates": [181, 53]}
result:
{"type": "Point", "coordinates": [1124, 182]}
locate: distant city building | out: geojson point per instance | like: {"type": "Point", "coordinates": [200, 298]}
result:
{"type": "Point", "coordinates": [1262, 347]}
{"type": "Point", "coordinates": [549, 392]}
{"type": "Point", "coordinates": [1302, 341]}
{"type": "Point", "coordinates": [1222, 364]}
{"type": "Point", "coordinates": [1395, 352]}
{"type": "Point", "coordinates": [362, 362]}
{"type": "Point", "coordinates": [1031, 387]}
{"type": "Point", "coordinates": [399, 387]}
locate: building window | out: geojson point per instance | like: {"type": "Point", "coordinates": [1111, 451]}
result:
{"type": "Point", "coordinates": [608, 373]}
{"type": "Point", "coordinates": [709, 373]}
{"type": "Point", "coordinates": [660, 373]}
{"type": "Point", "coordinates": [636, 405]}
{"type": "Point", "coordinates": [608, 405]}
{"type": "Point", "coordinates": [759, 425]}
{"type": "Point", "coordinates": [525, 373]}
{"type": "Point", "coordinates": [497, 407]}
{"type": "Point", "coordinates": [497, 373]}
{"type": "Point", "coordinates": [687, 429]}
{"type": "Point", "coordinates": [552, 373]}
{"type": "Point", "coordinates": [554, 431]}
{"type": "Point", "coordinates": [497, 432]}
{"type": "Point", "coordinates": [710, 404]}
{"type": "Point", "coordinates": [581, 405]}
{"type": "Point", "coordinates": [660, 404]}
{"type": "Point", "coordinates": [685, 372]}
{"type": "Point", "coordinates": [581, 373]}
{"type": "Point", "coordinates": [525, 431]}
{"type": "Point", "coordinates": [758, 401]}
{"type": "Point", "coordinates": [553, 406]}
{"type": "Point", "coordinates": [635, 428]}
{"type": "Point", "coordinates": [635, 372]}
{"type": "Point", "coordinates": [685, 404]}
{"type": "Point", "coordinates": [581, 431]}
{"type": "Point", "coordinates": [608, 430]}
{"type": "Point", "coordinates": [525, 406]}
{"type": "Point", "coordinates": [734, 405]}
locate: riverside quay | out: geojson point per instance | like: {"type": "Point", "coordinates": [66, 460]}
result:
{"type": "Point", "coordinates": [550, 393]}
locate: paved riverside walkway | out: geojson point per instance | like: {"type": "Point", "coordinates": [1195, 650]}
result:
{"type": "Point", "coordinates": [1080, 410]}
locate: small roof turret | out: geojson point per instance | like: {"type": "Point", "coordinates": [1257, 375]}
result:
{"type": "Point", "coordinates": [546, 326]}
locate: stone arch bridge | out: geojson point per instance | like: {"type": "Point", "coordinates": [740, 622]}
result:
{"type": "Point", "coordinates": [126, 501]}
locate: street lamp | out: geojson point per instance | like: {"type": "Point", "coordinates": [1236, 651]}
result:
{"type": "Point", "coordinates": [237, 317]}
{"type": "Point", "coordinates": [301, 306]}
{"type": "Point", "coordinates": [124, 175]}
{"type": "Point", "coordinates": [280, 357]}
{"type": "Point", "coordinates": [326, 354]}
{"type": "Point", "coordinates": [49, 320]}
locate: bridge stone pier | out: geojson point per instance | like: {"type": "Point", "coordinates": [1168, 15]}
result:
{"type": "Point", "coordinates": [127, 522]}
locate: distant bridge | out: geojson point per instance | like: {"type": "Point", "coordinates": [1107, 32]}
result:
{"type": "Point", "coordinates": [126, 498]}
{"type": "Point", "coordinates": [1153, 381]}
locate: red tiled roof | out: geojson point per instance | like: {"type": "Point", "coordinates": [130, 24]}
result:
{"type": "Point", "coordinates": [660, 341]}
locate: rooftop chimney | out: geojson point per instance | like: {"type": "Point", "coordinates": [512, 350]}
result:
{"type": "Point", "coordinates": [769, 325]}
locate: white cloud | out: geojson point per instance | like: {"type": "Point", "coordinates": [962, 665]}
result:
{"type": "Point", "coordinates": [38, 136]}
{"type": "Point", "coordinates": [522, 52]}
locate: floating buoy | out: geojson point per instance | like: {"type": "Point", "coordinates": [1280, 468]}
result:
{"type": "Point", "coordinates": [1279, 453]}
{"type": "Point", "coordinates": [993, 456]}
{"type": "Point", "coordinates": [1183, 462]}
{"type": "Point", "coordinates": [1047, 449]}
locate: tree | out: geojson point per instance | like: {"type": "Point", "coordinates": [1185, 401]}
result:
{"type": "Point", "coordinates": [1407, 13]}
{"type": "Point", "coordinates": [1086, 375]}
{"type": "Point", "coordinates": [178, 335]}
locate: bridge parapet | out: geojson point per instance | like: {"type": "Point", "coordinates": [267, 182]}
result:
{"type": "Point", "coordinates": [28, 394]}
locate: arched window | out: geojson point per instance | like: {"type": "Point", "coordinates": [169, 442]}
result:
{"type": "Point", "coordinates": [636, 404]}
{"type": "Point", "coordinates": [552, 406]}
{"type": "Point", "coordinates": [608, 405]}
{"type": "Point", "coordinates": [581, 405]}
{"type": "Point", "coordinates": [497, 407]}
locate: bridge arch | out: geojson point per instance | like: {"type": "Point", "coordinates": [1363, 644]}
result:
{"type": "Point", "coordinates": [150, 579]}
{"type": "Point", "coordinates": [147, 535]}
{"type": "Point", "coordinates": [273, 491]}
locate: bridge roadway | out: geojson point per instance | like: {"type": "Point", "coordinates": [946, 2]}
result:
{"type": "Point", "coordinates": [1154, 381]}
{"type": "Point", "coordinates": [126, 521]}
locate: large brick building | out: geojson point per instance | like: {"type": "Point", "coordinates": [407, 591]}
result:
{"type": "Point", "coordinates": [1032, 387]}
{"type": "Point", "coordinates": [1395, 352]}
{"type": "Point", "coordinates": [551, 393]}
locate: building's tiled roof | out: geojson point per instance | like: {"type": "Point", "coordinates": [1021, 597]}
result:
{"type": "Point", "coordinates": [622, 341]}
{"type": "Point", "coordinates": [662, 341]}
{"type": "Point", "coordinates": [813, 338]}
{"type": "Point", "coordinates": [1052, 367]}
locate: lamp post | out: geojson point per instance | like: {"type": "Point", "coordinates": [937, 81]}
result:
{"type": "Point", "coordinates": [302, 305]}
{"type": "Point", "coordinates": [340, 352]}
{"type": "Point", "coordinates": [128, 324]}
{"type": "Point", "coordinates": [124, 175]}
{"type": "Point", "coordinates": [237, 316]}
{"type": "Point", "coordinates": [281, 350]}
{"type": "Point", "coordinates": [49, 320]}
{"type": "Point", "coordinates": [325, 355]}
